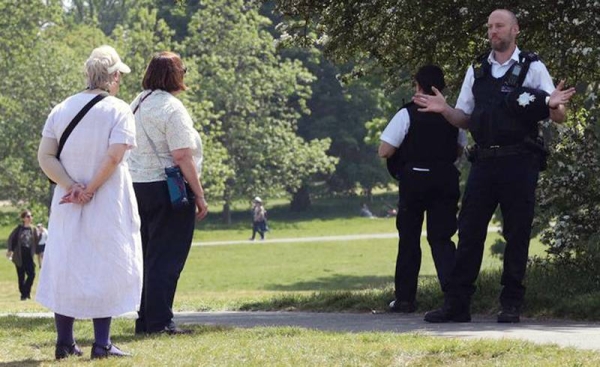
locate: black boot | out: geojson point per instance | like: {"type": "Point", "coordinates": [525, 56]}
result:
{"type": "Point", "coordinates": [449, 314]}
{"type": "Point", "coordinates": [509, 315]}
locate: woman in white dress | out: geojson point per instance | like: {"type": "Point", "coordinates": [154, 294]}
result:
{"type": "Point", "coordinates": [93, 262]}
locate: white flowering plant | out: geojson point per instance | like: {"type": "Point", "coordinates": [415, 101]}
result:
{"type": "Point", "coordinates": [568, 194]}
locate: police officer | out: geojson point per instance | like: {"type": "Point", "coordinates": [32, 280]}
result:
{"type": "Point", "coordinates": [421, 148]}
{"type": "Point", "coordinates": [505, 165]}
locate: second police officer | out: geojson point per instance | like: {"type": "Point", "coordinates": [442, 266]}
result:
{"type": "Point", "coordinates": [421, 149]}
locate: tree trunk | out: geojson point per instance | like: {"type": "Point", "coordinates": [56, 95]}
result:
{"type": "Point", "coordinates": [227, 213]}
{"type": "Point", "coordinates": [301, 200]}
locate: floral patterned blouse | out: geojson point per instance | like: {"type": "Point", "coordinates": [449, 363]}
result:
{"type": "Point", "coordinates": [162, 118]}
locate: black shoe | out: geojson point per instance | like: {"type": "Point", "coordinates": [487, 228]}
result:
{"type": "Point", "coordinates": [99, 351]}
{"type": "Point", "coordinates": [446, 314]}
{"type": "Point", "coordinates": [64, 350]}
{"type": "Point", "coordinates": [171, 329]}
{"type": "Point", "coordinates": [402, 306]}
{"type": "Point", "coordinates": [509, 315]}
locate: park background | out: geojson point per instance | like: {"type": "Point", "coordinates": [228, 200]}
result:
{"type": "Point", "coordinates": [290, 98]}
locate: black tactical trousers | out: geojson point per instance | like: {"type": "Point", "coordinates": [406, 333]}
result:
{"type": "Point", "coordinates": [436, 193]}
{"type": "Point", "coordinates": [509, 182]}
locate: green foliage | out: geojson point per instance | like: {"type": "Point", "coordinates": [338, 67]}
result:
{"type": "Point", "coordinates": [569, 194]}
{"type": "Point", "coordinates": [256, 98]}
{"type": "Point", "coordinates": [391, 33]}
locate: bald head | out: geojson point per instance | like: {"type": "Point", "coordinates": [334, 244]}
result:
{"type": "Point", "coordinates": [507, 14]}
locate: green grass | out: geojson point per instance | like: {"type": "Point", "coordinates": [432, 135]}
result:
{"type": "Point", "coordinates": [307, 276]}
{"type": "Point", "coordinates": [32, 344]}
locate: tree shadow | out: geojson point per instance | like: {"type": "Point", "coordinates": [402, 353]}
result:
{"type": "Point", "coordinates": [334, 282]}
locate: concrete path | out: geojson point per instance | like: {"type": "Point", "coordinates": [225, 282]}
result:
{"type": "Point", "coordinates": [352, 237]}
{"type": "Point", "coordinates": [583, 335]}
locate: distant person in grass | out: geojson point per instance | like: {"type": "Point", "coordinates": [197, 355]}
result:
{"type": "Point", "coordinates": [41, 247]}
{"type": "Point", "coordinates": [421, 149]}
{"type": "Point", "coordinates": [93, 263]}
{"type": "Point", "coordinates": [259, 219]}
{"type": "Point", "coordinates": [22, 245]}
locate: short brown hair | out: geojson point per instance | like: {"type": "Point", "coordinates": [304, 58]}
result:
{"type": "Point", "coordinates": [165, 72]}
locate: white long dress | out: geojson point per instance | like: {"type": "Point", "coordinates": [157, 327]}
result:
{"type": "Point", "coordinates": [93, 259]}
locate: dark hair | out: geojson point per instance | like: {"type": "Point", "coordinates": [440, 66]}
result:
{"type": "Point", "coordinates": [428, 76]}
{"type": "Point", "coordinates": [24, 213]}
{"type": "Point", "coordinates": [165, 72]}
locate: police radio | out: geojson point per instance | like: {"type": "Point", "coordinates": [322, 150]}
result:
{"type": "Point", "coordinates": [513, 78]}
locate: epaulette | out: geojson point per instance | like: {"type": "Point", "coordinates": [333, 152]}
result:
{"type": "Point", "coordinates": [529, 56]}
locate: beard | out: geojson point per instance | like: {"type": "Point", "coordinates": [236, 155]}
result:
{"type": "Point", "coordinates": [500, 44]}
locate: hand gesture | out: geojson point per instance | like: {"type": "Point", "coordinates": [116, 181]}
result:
{"type": "Point", "coordinates": [560, 96]}
{"type": "Point", "coordinates": [430, 103]}
{"type": "Point", "coordinates": [201, 207]}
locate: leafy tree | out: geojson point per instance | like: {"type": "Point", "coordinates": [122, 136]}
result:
{"type": "Point", "coordinates": [256, 99]}
{"type": "Point", "coordinates": [36, 72]}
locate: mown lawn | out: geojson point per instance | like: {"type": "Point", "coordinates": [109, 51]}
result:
{"type": "Point", "coordinates": [32, 344]}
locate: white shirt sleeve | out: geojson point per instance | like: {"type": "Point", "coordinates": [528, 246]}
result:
{"type": "Point", "coordinates": [397, 128]}
{"type": "Point", "coordinates": [466, 100]}
{"type": "Point", "coordinates": [538, 77]}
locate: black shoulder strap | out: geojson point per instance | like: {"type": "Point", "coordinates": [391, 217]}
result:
{"type": "Point", "coordinates": [525, 58]}
{"type": "Point", "coordinates": [481, 65]}
{"type": "Point", "coordinates": [75, 121]}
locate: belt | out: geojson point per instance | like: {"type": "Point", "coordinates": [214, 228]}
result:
{"type": "Point", "coordinates": [495, 151]}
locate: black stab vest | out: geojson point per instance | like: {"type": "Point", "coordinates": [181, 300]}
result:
{"type": "Point", "coordinates": [430, 140]}
{"type": "Point", "coordinates": [490, 123]}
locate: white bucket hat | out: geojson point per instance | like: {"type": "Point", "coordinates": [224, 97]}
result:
{"type": "Point", "coordinates": [257, 199]}
{"type": "Point", "coordinates": [114, 61]}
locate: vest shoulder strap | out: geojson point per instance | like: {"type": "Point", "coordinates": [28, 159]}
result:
{"type": "Point", "coordinates": [480, 65]}
{"type": "Point", "coordinates": [525, 59]}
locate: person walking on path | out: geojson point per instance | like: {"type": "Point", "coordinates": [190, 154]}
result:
{"type": "Point", "coordinates": [93, 263]}
{"type": "Point", "coordinates": [259, 219]}
{"type": "Point", "coordinates": [504, 95]}
{"type": "Point", "coordinates": [421, 149]}
{"type": "Point", "coordinates": [22, 245]}
{"type": "Point", "coordinates": [167, 140]}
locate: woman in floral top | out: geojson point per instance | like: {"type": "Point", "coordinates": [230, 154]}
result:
{"type": "Point", "coordinates": [166, 138]}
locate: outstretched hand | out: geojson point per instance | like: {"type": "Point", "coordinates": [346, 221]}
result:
{"type": "Point", "coordinates": [560, 95]}
{"type": "Point", "coordinates": [430, 103]}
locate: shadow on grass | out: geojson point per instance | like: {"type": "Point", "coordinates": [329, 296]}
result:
{"type": "Point", "coordinates": [23, 363]}
{"type": "Point", "coordinates": [551, 293]}
{"type": "Point", "coordinates": [334, 282]}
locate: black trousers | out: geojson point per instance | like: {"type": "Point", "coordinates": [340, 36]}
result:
{"type": "Point", "coordinates": [509, 182]}
{"type": "Point", "coordinates": [166, 239]}
{"type": "Point", "coordinates": [26, 273]}
{"type": "Point", "coordinates": [435, 192]}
